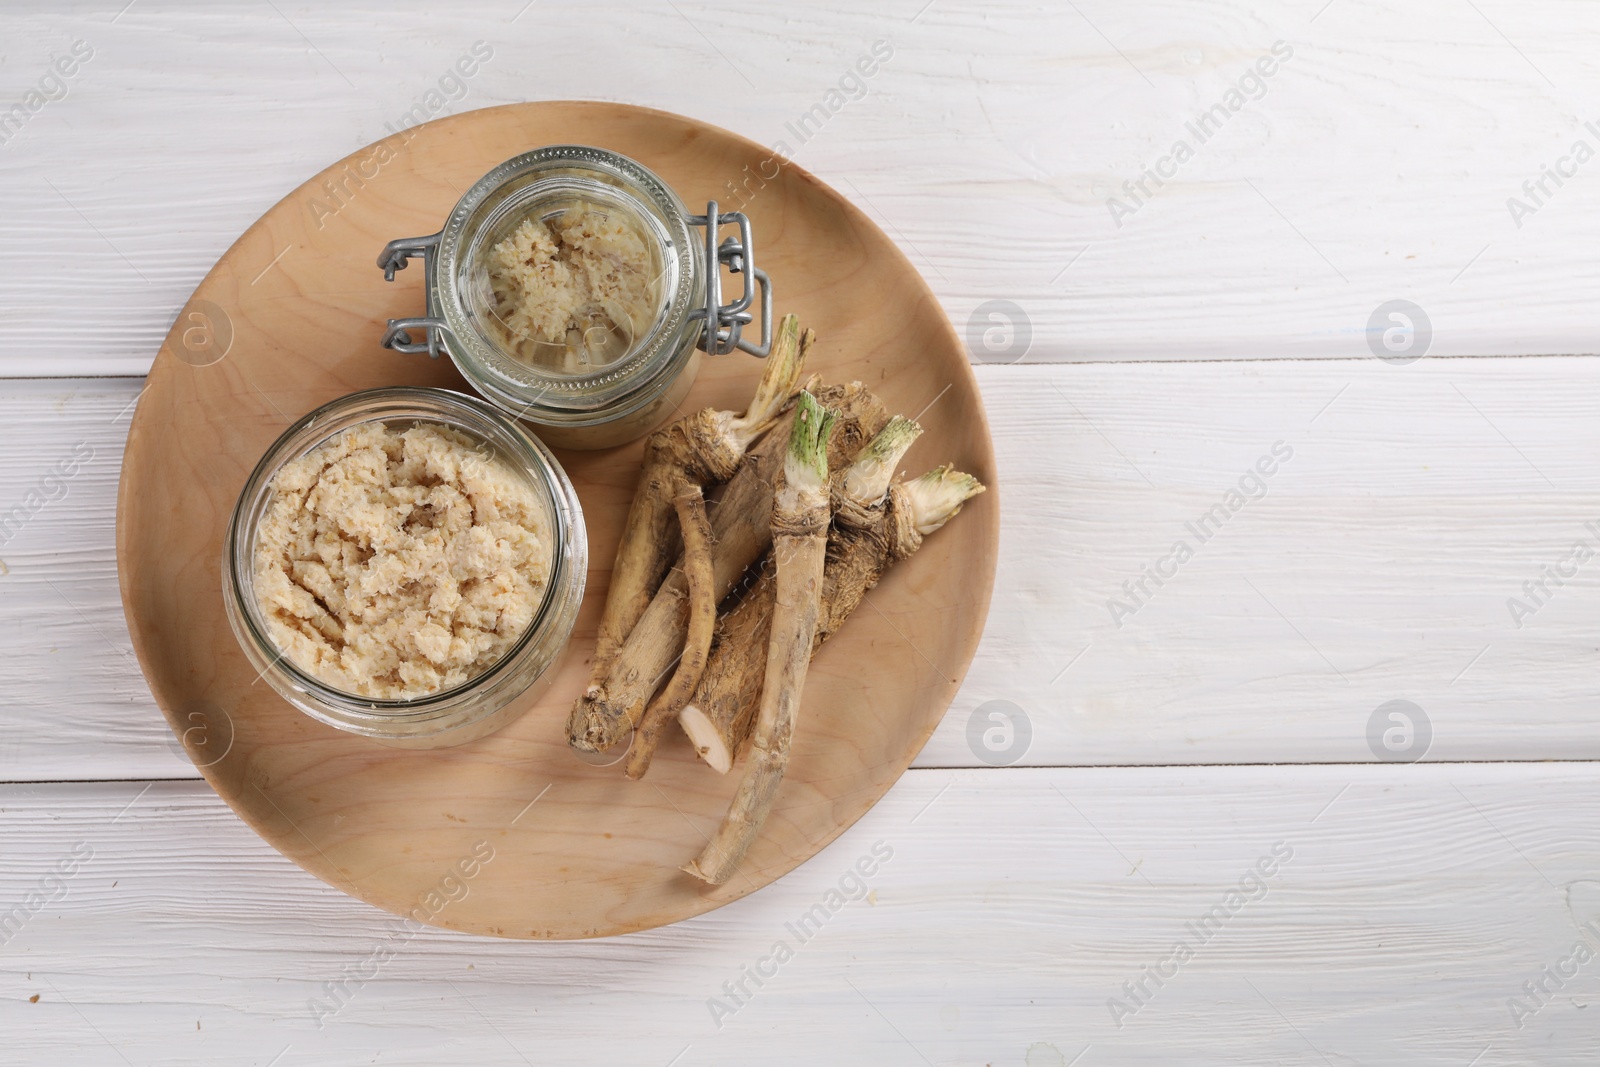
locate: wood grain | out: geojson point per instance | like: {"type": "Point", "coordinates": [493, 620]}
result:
{"type": "Point", "coordinates": [1377, 165]}
{"type": "Point", "coordinates": [599, 855]}
{"type": "Point", "coordinates": [1417, 901]}
{"type": "Point", "coordinates": [1392, 540]}
{"type": "Point", "coordinates": [986, 147]}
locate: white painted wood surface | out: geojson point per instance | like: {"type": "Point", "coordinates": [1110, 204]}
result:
{"type": "Point", "coordinates": [1413, 905]}
{"type": "Point", "coordinates": [1390, 543]}
{"type": "Point", "coordinates": [1377, 164]}
{"type": "Point", "coordinates": [1173, 354]}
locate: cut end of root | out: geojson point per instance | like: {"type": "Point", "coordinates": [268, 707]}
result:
{"type": "Point", "coordinates": [590, 729]}
{"type": "Point", "coordinates": [806, 465]}
{"type": "Point", "coordinates": [937, 496]}
{"type": "Point", "coordinates": [708, 742]}
{"type": "Point", "coordinates": [709, 877]}
{"type": "Point", "coordinates": [869, 474]}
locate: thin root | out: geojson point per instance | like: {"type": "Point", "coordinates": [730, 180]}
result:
{"type": "Point", "coordinates": [690, 504]}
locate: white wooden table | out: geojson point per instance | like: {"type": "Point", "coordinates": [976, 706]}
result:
{"type": "Point", "coordinates": [1202, 769]}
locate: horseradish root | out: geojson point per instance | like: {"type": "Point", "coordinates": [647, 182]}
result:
{"type": "Point", "coordinates": [719, 717]}
{"type": "Point", "coordinates": [799, 544]}
{"type": "Point", "coordinates": [741, 528]}
{"type": "Point", "coordinates": [724, 705]}
{"type": "Point", "coordinates": [691, 507]}
{"type": "Point", "coordinates": [859, 496]}
{"type": "Point", "coordinates": [937, 496]}
{"type": "Point", "coordinates": [859, 554]}
{"type": "Point", "coordinates": [703, 449]}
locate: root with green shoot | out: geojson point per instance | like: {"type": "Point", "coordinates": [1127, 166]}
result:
{"type": "Point", "coordinates": [741, 527]}
{"type": "Point", "coordinates": [864, 543]}
{"type": "Point", "coordinates": [800, 519]}
{"type": "Point", "coordinates": [703, 449]}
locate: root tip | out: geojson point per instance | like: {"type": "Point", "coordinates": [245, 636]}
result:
{"type": "Point", "coordinates": [693, 867]}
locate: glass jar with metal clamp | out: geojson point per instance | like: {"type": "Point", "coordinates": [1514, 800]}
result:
{"type": "Point", "coordinates": [570, 288]}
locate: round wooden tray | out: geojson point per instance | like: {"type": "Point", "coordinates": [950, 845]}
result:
{"type": "Point", "coordinates": [513, 835]}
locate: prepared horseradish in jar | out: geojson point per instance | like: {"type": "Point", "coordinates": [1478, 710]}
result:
{"type": "Point", "coordinates": [574, 287]}
{"type": "Point", "coordinates": [573, 290]}
{"type": "Point", "coordinates": [405, 564]}
{"type": "Point", "coordinates": [398, 561]}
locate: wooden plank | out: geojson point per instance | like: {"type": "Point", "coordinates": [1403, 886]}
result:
{"type": "Point", "coordinates": [1404, 909]}
{"type": "Point", "coordinates": [1376, 163]}
{"type": "Point", "coordinates": [77, 705]}
{"type": "Point", "coordinates": [1378, 567]}
{"type": "Point", "coordinates": [1376, 166]}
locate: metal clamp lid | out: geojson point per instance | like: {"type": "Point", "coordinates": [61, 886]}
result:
{"type": "Point", "coordinates": [396, 254]}
{"type": "Point", "coordinates": [723, 323]}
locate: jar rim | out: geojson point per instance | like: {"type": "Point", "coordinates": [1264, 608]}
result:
{"type": "Point", "coordinates": [465, 414]}
{"type": "Point", "coordinates": [648, 368]}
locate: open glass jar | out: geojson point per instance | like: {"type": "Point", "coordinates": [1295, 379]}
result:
{"type": "Point", "coordinates": [486, 700]}
{"type": "Point", "coordinates": [570, 287]}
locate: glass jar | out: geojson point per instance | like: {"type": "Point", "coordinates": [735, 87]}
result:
{"type": "Point", "coordinates": [584, 386]}
{"type": "Point", "coordinates": [488, 700]}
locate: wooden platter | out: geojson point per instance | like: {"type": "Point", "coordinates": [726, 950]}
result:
{"type": "Point", "coordinates": [513, 835]}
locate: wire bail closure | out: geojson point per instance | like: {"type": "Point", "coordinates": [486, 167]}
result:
{"type": "Point", "coordinates": [723, 322]}
{"type": "Point", "coordinates": [396, 254]}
